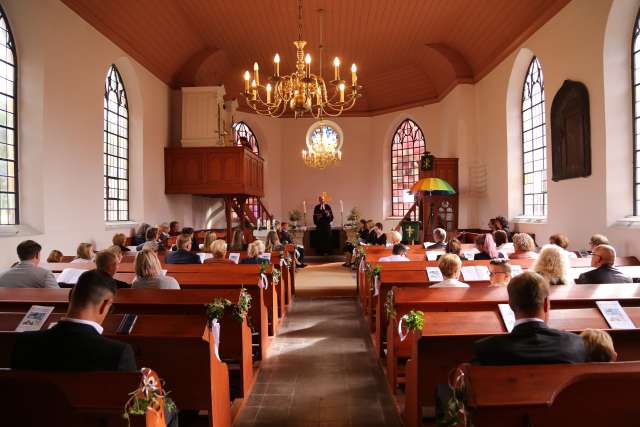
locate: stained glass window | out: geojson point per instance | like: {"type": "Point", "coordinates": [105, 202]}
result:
{"type": "Point", "coordinates": [116, 148]}
{"type": "Point", "coordinates": [407, 148]}
{"type": "Point", "coordinates": [635, 71]}
{"type": "Point", "coordinates": [243, 134]}
{"type": "Point", "coordinates": [534, 142]}
{"type": "Point", "coordinates": [8, 135]}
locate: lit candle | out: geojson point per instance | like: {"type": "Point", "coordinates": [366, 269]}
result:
{"type": "Point", "coordinates": [354, 77]}
{"type": "Point", "coordinates": [276, 61]}
{"type": "Point", "coordinates": [307, 60]}
{"type": "Point", "coordinates": [339, 155]}
{"type": "Point", "coordinates": [304, 206]}
{"type": "Point", "coordinates": [341, 92]}
{"type": "Point", "coordinates": [341, 207]}
{"type": "Point", "coordinates": [336, 67]}
{"type": "Point", "coordinates": [256, 73]}
{"type": "Point", "coordinates": [247, 78]}
{"type": "Point", "coordinates": [269, 93]}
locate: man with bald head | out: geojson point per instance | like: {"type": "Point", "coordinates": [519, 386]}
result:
{"type": "Point", "coordinates": [603, 260]}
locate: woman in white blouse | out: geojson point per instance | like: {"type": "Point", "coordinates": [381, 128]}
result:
{"type": "Point", "coordinates": [450, 265]}
{"type": "Point", "coordinates": [149, 273]}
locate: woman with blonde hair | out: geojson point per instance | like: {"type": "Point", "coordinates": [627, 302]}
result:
{"type": "Point", "coordinates": [254, 251]}
{"type": "Point", "coordinates": [209, 238]}
{"type": "Point", "coordinates": [553, 264]}
{"type": "Point", "coordinates": [120, 240]}
{"type": "Point", "coordinates": [523, 247]}
{"type": "Point", "coordinates": [394, 237]}
{"type": "Point", "coordinates": [273, 242]}
{"type": "Point", "coordinates": [84, 253]}
{"type": "Point", "coordinates": [219, 250]}
{"type": "Point", "coordinates": [149, 273]}
{"type": "Point", "coordinates": [55, 256]}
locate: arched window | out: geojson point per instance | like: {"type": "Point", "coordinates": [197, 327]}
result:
{"type": "Point", "coordinates": [635, 72]}
{"type": "Point", "coordinates": [8, 133]}
{"type": "Point", "coordinates": [116, 148]}
{"type": "Point", "coordinates": [406, 149]}
{"type": "Point", "coordinates": [243, 134]}
{"type": "Point", "coordinates": [534, 142]}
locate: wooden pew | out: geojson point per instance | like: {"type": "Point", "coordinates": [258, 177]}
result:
{"type": "Point", "coordinates": [413, 274]}
{"type": "Point", "coordinates": [448, 339]}
{"type": "Point", "coordinates": [180, 347]}
{"type": "Point", "coordinates": [474, 299]}
{"type": "Point", "coordinates": [588, 395]}
{"type": "Point", "coordinates": [235, 337]}
{"type": "Point", "coordinates": [70, 399]}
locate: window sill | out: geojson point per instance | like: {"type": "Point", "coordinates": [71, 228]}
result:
{"type": "Point", "coordinates": [393, 218]}
{"type": "Point", "coordinates": [18, 230]}
{"type": "Point", "coordinates": [119, 225]}
{"type": "Point", "coordinates": [628, 222]}
{"type": "Point", "coordinates": [530, 220]}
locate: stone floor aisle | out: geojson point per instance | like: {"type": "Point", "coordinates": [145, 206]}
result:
{"type": "Point", "coordinates": [320, 371]}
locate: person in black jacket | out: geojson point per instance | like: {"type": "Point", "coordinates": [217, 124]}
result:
{"type": "Point", "coordinates": [603, 259]}
{"type": "Point", "coordinates": [183, 255]}
{"type": "Point", "coordinates": [286, 239]}
{"type": "Point", "coordinates": [76, 343]}
{"type": "Point", "coordinates": [377, 235]}
{"type": "Point", "coordinates": [322, 217]}
{"type": "Point", "coordinates": [531, 341]}
{"type": "Point", "coordinates": [439, 237]}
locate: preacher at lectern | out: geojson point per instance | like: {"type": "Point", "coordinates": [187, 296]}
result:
{"type": "Point", "coordinates": [322, 217]}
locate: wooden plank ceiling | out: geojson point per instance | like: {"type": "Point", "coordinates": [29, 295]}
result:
{"type": "Point", "coordinates": [409, 52]}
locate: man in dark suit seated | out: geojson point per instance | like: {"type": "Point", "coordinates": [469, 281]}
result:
{"type": "Point", "coordinates": [603, 259]}
{"type": "Point", "coordinates": [107, 264]}
{"type": "Point", "coordinates": [183, 255]}
{"type": "Point", "coordinates": [531, 341]}
{"type": "Point", "coordinates": [76, 343]}
{"type": "Point", "coordinates": [439, 236]}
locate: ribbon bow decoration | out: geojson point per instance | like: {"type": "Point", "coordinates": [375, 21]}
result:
{"type": "Point", "coordinates": [263, 281]}
{"type": "Point", "coordinates": [402, 332]}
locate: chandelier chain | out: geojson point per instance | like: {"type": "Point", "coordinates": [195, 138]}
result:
{"type": "Point", "coordinates": [299, 19]}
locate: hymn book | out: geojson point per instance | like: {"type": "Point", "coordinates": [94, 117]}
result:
{"type": "Point", "coordinates": [516, 269]}
{"type": "Point", "coordinates": [434, 274]}
{"type": "Point", "coordinates": [204, 256]}
{"type": "Point", "coordinates": [70, 276]}
{"type": "Point", "coordinates": [432, 255]}
{"type": "Point", "coordinates": [475, 273]}
{"type": "Point", "coordinates": [235, 257]}
{"type": "Point", "coordinates": [266, 255]}
{"type": "Point", "coordinates": [508, 316]}
{"type": "Point", "coordinates": [35, 318]}
{"type": "Point", "coordinates": [615, 315]}
{"type": "Point", "coordinates": [469, 255]}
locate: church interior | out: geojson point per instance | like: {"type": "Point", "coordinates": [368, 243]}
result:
{"type": "Point", "coordinates": [319, 212]}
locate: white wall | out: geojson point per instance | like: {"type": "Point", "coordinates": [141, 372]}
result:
{"type": "Point", "coordinates": [62, 64]}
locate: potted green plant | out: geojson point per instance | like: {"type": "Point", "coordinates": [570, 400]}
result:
{"type": "Point", "coordinates": [294, 217]}
{"type": "Point", "coordinates": [354, 216]}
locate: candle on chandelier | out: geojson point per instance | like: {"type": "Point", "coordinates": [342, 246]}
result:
{"type": "Point", "coordinates": [256, 73]}
{"type": "Point", "coordinates": [307, 60]}
{"type": "Point", "coordinates": [341, 92]}
{"type": "Point", "coordinates": [254, 90]}
{"type": "Point", "coordinates": [341, 207]}
{"type": "Point", "coordinates": [354, 77]}
{"type": "Point", "coordinates": [339, 155]}
{"type": "Point", "coordinates": [269, 93]}
{"type": "Point", "coordinates": [336, 68]}
{"type": "Point", "coordinates": [247, 78]}
{"type": "Point", "coordinates": [276, 61]}
{"type": "Point", "coordinates": [304, 205]}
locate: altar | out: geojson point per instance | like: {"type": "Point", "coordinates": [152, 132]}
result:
{"type": "Point", "coordinates": [306, 236]}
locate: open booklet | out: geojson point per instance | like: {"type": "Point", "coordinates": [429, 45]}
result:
{"type": "Point", "coordinates": [70, 276]}
{"type": "Point", "coordinates": [35, 318]}
{"type": "Point", "coordinates": [508, 316]}
{"type": "Point", "coordinates": [468, 255]}
{"type": "Point", "coordinates": [615, 315]}
{"type": "Point", "coordinates": [475, 273]}
{"type": "Point", "coordinates": [204, 256]}
{"type": "Point", "coordinates": [434, 274]}
{"type": "Point", "coordinates": [432, 255]}
{"type": "Point", "coordinates": [235, 257]}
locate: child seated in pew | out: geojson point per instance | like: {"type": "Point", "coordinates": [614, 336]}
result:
{"type": "Point", "coordinates": [499, 272]}
{"type": "Point", "coordinates": [84, 253]}
{"type": "Point", "coordinates": [453, 247]}
{"type": "Point", "coordinates": [450, 266]}
{"type": "Point", "coordinates": [398, 253]}
{"type": "Point", "coordinates": [599, 346]}
{"type": "Point", "coordinates": [149, 273]}
{"type": "Point", "coordinates": [54, 256]}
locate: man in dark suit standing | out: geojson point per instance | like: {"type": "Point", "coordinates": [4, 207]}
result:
{"type": "Point", "coordinates": [76, 343]}
{"type": "Point", "coordinates": [183, 255]}
{"type": "Point", "coordinates": [322, 217]}
{"type": "Point", "coordinates": [531, 341]}
{"type": "Point", "coordinates": [603, 259]}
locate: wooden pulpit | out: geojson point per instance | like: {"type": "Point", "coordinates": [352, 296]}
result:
{"type": "Point", "coordinates": [440, 211]}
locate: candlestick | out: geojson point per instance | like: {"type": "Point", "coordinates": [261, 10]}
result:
{"type": "Point", "coordinates": [354, 77]}
{"type": "Point", "coordinates": [247, 78]}
{"type": "Point", "coordinates": [269, 93]}
{"type": "Point", "coordinates": [336, 66]}
{"type": "Point", "coordinates": [307, 60]}
{"type": "Point", "coordinates": [256, 73]}
{"type": "Point", "coordinates": [276, 61]}
{"type": "Point", "coordinates": [341, 92]}
{"type": "Point", "coordinates": [304, 205]}
{"type": "Point", "coordinates": [341, 206]}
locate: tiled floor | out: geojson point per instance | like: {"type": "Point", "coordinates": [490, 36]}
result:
{"type": "Point", "coordinates": [320, 371]}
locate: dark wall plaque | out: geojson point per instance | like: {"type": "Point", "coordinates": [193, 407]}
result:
{"type": "Point", "coordinates": [571, 132]}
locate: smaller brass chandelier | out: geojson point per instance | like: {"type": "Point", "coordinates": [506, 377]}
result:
{"type": "Point", "coordinates": [302, 91]}
{"type": "Point", "coordinates": [324, 141]}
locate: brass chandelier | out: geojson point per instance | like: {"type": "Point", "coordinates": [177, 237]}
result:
{"type": "Point", "coordinates": [302, 91]}
{"type": "Point", "coordinates": [324, 141]}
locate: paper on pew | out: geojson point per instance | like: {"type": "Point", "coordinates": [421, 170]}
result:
{"type": "Point", "coordinates": [468, 255]}
{"type": "Point", "coordinates": [508, 316]}
{"type": "Point", "coordinates": [70, 276]}
{"type": "Point", "coordinates": [427, 244]}
{"type": "Point", "coordinates": [133, 248]}
{"type": "Point", "coordinates": [434, 274]}
{"type": "Point", "coordinates": [432, 255]}
{"type": "Point", "coordinates": [266, 255]}
{"type": "Point", "coordinates": [204, 255]}
{"type": "Point", "coordinates": [516, 269]}
{"type": "Point", "coordinates": [235, 257]}
{"type": "Point", "coordinates": [35, 318]}
{"type": "Point", "coordinates": [615, 315]}
{"type": "Point", "coordinates": [630, 270]}
{"type": "Point", "coordinates": [475, 273]}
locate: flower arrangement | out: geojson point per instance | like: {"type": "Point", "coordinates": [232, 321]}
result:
{"type": "Point", "coordinates": [148, 397]}
{"type": "Point", "coordinates": [242, 307]}
{"type": "Point", "coordinates": [215, 309]}
{"type": "Point", "coordinates": [275, 276]}
{"type": "Point", "coordinates": [295, 215]}
{"type": "Point", "coordinates": [456, 412]}
{"type": "Point", "coordinates": [414, 320]}
{"type": "Point", "coordinates": [354, 215]}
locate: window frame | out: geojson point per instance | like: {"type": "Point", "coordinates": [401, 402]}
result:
{"type": "Point", "coordinates": [105, 131]}
{"type": "Point", "coordinates": [393, 158]}
{"type": "Point", "coordinates": [251, 202]}
{"type": "Point", "coordinates": [16, 151]}
{"type": "Point", "coordinates": [543, 149]}
{"type": "Point", "coordinates": [635, 114]}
